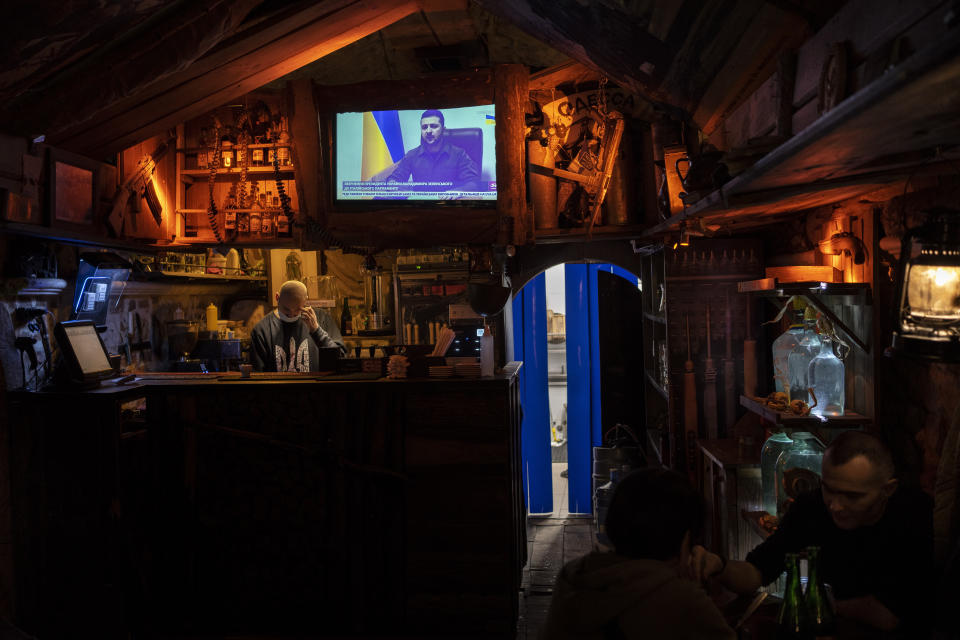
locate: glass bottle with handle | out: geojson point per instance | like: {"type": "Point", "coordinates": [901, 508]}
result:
{"type": "Point", "coordinates": [826, 378]}
{"type": "Point", "coordinates": [817, 606]}
{"type": "Point", "coordinates": [783, 347]}
{"type": "Point", "coordinates": [791, 622]}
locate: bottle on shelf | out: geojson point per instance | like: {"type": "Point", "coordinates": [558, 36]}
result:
{"type": "Point", "coordinates": [784, 345]}
{"type": "Point", "coordinates": [256, 218]}
{"type": "Point", "coordinates": [283, 141]}
{"type": "Point", "coordinates": [346, 321]}
{"type": "Point", "coordinates": [267, 224]}
{"type": "Point", "coordinates": [283, 224]}
{"type": "Point", "coordinates": [799, 469]}
{"type": "Point", "coordinates": [826, 377]}
{"type": "Point", "coordinates": [772, 448]}
{"type": "Point", "coordinates": [226, 152]}
{"type": "Point", "coordinates": [791, 622]}
{"type": "Point", "coordinates": [817, 608]}
{"type": "Point", "coordinates": [256, 154]}
{"type": "Point", "coordinates": [798, 362]}
{"type": "Point", "coordinates": [230, 212]}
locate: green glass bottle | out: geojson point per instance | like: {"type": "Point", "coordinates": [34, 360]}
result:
{"type": "Point", "coordinates": [791, 621]}
{"type": "Point", "coordinates": [816, 605]}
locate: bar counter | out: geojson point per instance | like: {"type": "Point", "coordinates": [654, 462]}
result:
{"type": "Point", "coordinates": [340, 506]}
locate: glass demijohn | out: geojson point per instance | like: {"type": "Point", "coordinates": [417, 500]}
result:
{"type": "Point", "coordinates": [772, 448]}
{"type": "Point", "coordinates": [798, 362]}
{"type": "Point", "coordinates": [783, 347]}
{"type": "Point", "coordinates": [826, 378]}
{"type": "Point", "coordinates": [799, 469]}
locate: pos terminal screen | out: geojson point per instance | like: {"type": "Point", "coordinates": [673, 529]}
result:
{"type": "Point", "coordinates": [88, 349]}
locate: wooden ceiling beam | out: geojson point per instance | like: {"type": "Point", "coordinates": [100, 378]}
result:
{"type": "Point", "coordinates": [599, 35]}
{"type": "Point", "coordinates": [227, 74]}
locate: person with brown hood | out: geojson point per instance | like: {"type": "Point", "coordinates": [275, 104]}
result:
{"type": "Point", "coordinates": [640, 589]}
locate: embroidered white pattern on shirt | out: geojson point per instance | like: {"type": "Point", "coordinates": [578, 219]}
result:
{"type": "Point", "coordinates": [296, 360]}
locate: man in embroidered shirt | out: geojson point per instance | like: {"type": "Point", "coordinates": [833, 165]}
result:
{"type": "Point", "coordinates": [437, 159]}
{"type": "Point", "coordinates": [290, 337]}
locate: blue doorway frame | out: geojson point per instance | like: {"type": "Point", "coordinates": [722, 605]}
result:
{"type": "Point", "coordinates": [584, 429]}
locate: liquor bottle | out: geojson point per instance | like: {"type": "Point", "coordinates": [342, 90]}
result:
{"type": "Point", "coordinates": [817, 608]}
{"type": "Point", "coordinates": [283, 224]}
{"type": "Point", "coordinates": [798, 362]}
{"type": "Point", "coordinates": [799, 469]}
{"type": "Point", "coordinates": [783, 346]}
{"type": "Point", "coordinates": [283, 150]}
{"type": "Point", "coordinates": [791, 623]}
{"type": "Point", "coordinates": [826, 377]}
{"type": "Point", "coordinates": [772, 448]}
{"type": "Point", "coordinates": [256, 155]}
{"type": "Point", "coordinates": [230, 213]}
{"type": "Point", "coordinates": [226, 152]}
{"type": "Point", "coordinates": [256, 217]}
{"type": "Point", "coordinates": [267, 226]}
{"type": "Point", "coordinates": [346, 322]}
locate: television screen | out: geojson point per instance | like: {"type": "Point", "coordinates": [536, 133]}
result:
{"type": "Point", "coordinates": [420, 154]}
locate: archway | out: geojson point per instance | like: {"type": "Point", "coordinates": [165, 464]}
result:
{"type": "Point", "coordinates": [592, 300]}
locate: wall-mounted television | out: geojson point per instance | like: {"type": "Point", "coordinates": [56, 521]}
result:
{"type": "Point", "coordinates": [416, 156]}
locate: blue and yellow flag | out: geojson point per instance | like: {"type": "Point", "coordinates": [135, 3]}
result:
{"type": "Point", "coordinates": [382, 142]}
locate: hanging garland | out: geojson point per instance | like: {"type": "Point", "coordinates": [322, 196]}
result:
{"type": "Point", "coordinates": [212, 205]}
{"type": "Point", "coordinates": [281, 190]}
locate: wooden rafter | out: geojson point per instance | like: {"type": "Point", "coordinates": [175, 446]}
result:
{"type": "Point", "coordinates": [234, 70]}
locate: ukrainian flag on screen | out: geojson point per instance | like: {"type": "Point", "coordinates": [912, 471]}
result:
{"type": "Point", "coordinates": [382, 142]}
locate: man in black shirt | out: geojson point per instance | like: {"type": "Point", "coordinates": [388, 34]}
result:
{"type": "Point", "coordinates": [436, 159]}
{"type": "Point", "coordinates": [289, 338]}
{"type": "Point", "coordinates": [876, 540]}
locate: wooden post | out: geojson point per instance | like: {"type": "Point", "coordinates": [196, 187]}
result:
{"type": "Point", "coordinates": [307, 160]}
{"type": "Point", "coordinates": [511, 83]}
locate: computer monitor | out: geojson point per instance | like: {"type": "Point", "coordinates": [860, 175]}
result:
{"type": "Point", "coordinates": [84, 354]}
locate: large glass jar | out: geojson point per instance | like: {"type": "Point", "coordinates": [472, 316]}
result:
{"type": "Point", "coordinates": [799, 469]}
{"type": "Point", "coordinates": [772, 448]}
{"type": "Point", "coordinates": [798, 362]}
{"type": "Point", "coordinates": [784, 345]}
{"type": "Point", "coordinates": [826, 377]}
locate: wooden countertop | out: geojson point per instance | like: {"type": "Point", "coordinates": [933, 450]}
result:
{"type": "Point", "coordinates": [218, 380]}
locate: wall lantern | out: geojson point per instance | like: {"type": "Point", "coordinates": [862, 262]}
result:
{"type": "Point", "coordinates": [928, 319]}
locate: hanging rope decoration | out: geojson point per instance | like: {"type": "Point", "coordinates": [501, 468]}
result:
{"type": "Point", "coordinates": [281, 190]}
{"type": "Point", "coordinates": [212, 206]}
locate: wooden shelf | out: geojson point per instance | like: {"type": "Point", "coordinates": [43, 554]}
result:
{"type": "Point", "coordinates": [772, 287]}
{"type": "Point", "coordinates": [901, 111]}
{"type": "Point", "coordinates": [235, 171]}
{"type": "Point", "coordinates": [160, 276]}
{"type": "Point", "coordinates": [812, 292]}
{"type": "Point", "coordinates": [654, 317]}
{"type": "Point", "coordinates": [847, 421]}
{"type": "Point", "coordinates": [252, 145]}
{"type": "Point", "coordinates": [656, 385]}
{"type": "Point", "coordinates": [727, 453]}
{"type": "Point", "coordinates": [579, 234]}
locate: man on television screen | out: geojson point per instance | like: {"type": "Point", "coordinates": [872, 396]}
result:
{"type": "Point", "coordinates": [437, 159]}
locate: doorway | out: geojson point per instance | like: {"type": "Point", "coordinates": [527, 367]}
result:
{"type": "Point", "coordinates": [576, 327]}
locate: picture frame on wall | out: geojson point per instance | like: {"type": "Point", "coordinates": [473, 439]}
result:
{"type": "Point", "coordinates": [73, 191]}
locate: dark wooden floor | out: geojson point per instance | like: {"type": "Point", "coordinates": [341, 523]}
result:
{"type": "Point", "coordinates": [551, 542]}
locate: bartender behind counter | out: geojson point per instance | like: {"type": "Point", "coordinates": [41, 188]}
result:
{"type": "Point", "coordinates": [289, 338]}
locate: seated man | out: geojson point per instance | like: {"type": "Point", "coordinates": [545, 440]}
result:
{"type": "Point", "coordinates": [437, 159]}
{"type": "Point", "coordinates": [637, 591]}
{"type": "Point", "coordinates": [876, 539]}
{"type": "Point", "coordinates": [289, 338]}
